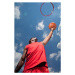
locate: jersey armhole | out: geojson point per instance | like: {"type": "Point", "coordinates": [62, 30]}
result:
{"type": "Point", "coordinates": [42, 43]}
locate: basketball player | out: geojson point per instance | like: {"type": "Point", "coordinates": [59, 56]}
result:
{"type": "Point", "coordinates": [35, 56]}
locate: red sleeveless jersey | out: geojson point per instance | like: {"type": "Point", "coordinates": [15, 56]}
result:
{"type": "Point", "coordinates": [35, 55]}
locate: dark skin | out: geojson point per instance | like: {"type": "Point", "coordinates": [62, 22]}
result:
{"type": "Point", "coordinates": [22, 60]}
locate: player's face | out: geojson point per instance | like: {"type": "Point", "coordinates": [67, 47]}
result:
{"type": "Point", "coordinates": [33, 40]}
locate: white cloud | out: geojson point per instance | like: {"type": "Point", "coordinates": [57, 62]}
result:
{"type": "Point", "coordinates": [59, 30]}
{"type": "Point", "coordinates": [18, 34]}
{"type": "Point", "coordinates": [51, 70]}
{"type": "Point", "coordinates": [56, 55]}
{"type": "Point", "coordinates": [45, 34]}
{"type": "Point", "coordinates": [21, 44]}
{"type": "Point", "coordinates": [40, 26]}
{"type": "Point", "coordinates": [59, 7]}
{"type": "Point", "coordinates": [17, 58]}
{"type": "Point", "coordinates": [53, 55]}
{"type": "Point", "coordinates": [16, 46]}
{"type": "Point", "coordinates": [60, 15]}
{"type": "Point", "coordinates": [59, 45]}
{"type": "Point", "coordinates": [17, 12]}
{"type": "Point", "coordinates": [21, 49]}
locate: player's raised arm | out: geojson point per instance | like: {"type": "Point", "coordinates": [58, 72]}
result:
{"type": "Point", "coordinates": [52, 26]}
{"type": "Point", "coordinates": [21, 62]}
{"type": "Point", "coordinates": [45, 41]}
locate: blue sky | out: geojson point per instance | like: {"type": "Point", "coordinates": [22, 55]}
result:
{"type": "Point", "coordinates": [29, 22]}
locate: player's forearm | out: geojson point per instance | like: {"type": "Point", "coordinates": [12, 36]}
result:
{"type": "Point", "coordinates": [45, 41]}
{"type": "Point", "coordinates": [49, 35]}
{"type": "Point", "coordinates": [18, 67]}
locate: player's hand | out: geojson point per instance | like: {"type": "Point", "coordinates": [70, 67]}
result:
{"type": "Point", "coordinates": [52, 29]}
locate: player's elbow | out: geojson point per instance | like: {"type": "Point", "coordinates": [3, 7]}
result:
{"type": "Point", "coordinates": [22, 61]}
{"type": "Point", "coordinates": [23, 58]}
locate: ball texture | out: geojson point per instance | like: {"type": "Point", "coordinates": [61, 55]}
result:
{"type": "Point", "coordinates": [52, 25]}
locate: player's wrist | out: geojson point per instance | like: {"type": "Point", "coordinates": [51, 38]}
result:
{"type": "Point", "coordinates": [52, 29]}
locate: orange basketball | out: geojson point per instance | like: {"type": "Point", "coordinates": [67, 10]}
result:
{"type": "Point", "coordinates": [51, 25]}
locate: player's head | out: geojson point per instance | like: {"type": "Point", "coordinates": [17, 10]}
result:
{"type": "Point", "coordinates": [33, 39]}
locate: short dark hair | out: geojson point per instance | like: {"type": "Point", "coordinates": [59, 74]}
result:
{"type": "Point", "coordinates": [30, 40]}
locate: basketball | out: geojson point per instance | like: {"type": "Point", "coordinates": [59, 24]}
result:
{"type": "Point", "coordinates": [52, 25]}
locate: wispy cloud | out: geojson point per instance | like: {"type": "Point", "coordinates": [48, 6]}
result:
{"type": "Point", "coordinates": [40, 26]}
{"type": "Point", "coordinates": [58, 55]}
{"type": "Point", "coordinates": [17, 12]}
{"type": "Point", "coordinates": [60, 15]}
{"type": "Point", "coordinates": [55, 55]}
{"type": "Point", "coordinates": [58, 32]}
{"type": "Point", "coordinates": [51, 70]}
{"type": "Point", "coordinates": [18, 35]}
{"type": "Point", "coordinates": [45, 34]}
{"type": "Point", "coordinates": [59, 7]}
{"type": "Point", "coordinates": [21, 49]}
{"type": "Point", "coordinates": [21, 44]}
{"type": "Point", "coordinates": [16, 46]}
{"type": "Point", "coordinates": [59, 45]}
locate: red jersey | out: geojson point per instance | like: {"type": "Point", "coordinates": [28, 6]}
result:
{"type": "Point", "coordinates": [35, 55]}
